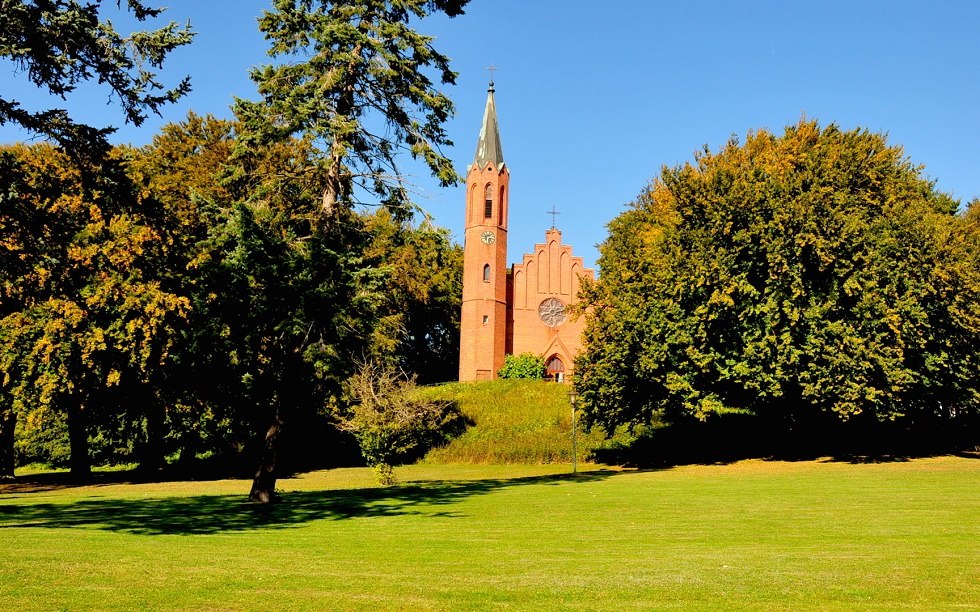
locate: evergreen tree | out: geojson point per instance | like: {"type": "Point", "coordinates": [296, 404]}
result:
{"type": "Point", "coordinates": [352, 63]}
{"type": "Point", "coordinates": [352, 89]}
{"type": "Point", "coordinates": [59, 44]}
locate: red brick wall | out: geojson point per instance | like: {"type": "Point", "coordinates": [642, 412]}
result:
{"type": "Point", "coordinates": [551, 271]}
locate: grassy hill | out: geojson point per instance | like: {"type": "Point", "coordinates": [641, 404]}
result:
{"type": "Point", "coordinates": [514, 421]}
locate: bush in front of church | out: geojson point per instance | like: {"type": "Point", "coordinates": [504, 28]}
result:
{"type": "Point", "coordinates": [391, 421]}
{"type": "Point", "coordinates": [525, 365]}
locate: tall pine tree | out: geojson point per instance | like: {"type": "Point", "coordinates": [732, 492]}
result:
{"type": "Point", "coordinates": [351, 84]}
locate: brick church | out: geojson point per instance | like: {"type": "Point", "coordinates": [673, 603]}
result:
{"type": "Point", "coordinates": [521, 309]}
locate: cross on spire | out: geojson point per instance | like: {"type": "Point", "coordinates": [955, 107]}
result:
{"type": "Point", "coordinates": [554, 213]}
{"type": "Point", "coordinates": [491, 68]}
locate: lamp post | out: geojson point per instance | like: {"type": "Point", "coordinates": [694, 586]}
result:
{"type": "Point", "coordinates": [572, 398]}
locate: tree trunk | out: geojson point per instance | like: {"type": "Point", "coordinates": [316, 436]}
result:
{"type": "Point", "coordinates": [78, 442]}
{"type": "Point", "coordinates": [264, 483]}
{"type": "Point", "coordinates": [152, 454]}
{"type": "Point", "coordinates": [338, 181]}
{"type": "Point", "coordinates": [8, 420]}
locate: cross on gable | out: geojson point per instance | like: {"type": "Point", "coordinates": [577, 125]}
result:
{"type": "Point", "coordinates": [554, 214]}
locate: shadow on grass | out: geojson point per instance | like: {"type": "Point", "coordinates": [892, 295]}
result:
{"type": "Point", "coordinates": [210, 514]}
{"type": "Point", "coordinates": [729, 438]}
{"type": "Point", "coordinates": [41, 482]}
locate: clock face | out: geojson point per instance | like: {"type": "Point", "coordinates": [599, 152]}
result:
{"type": "Point", "coordinates": [488, 237]}
{"type": "Point", "coordinates": [552, 312]}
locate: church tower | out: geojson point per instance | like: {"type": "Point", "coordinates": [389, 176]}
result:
{"type": "Point", "coordinates": [483, 320]}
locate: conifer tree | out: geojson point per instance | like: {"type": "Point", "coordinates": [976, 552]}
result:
{"type": "Point", "coordinates": [351, 86]}
{"type": "Point", "coordinates": [60, 44]}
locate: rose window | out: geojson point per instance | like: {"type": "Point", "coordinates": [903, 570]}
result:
{"type": "Point", "coordinates": [552, 312]}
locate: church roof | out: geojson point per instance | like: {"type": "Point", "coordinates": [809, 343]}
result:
{"type": "Point", "coordinates": [488, 146]}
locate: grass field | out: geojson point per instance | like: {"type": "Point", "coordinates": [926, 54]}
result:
{"type": "Point", "coordinates": [753, 534]}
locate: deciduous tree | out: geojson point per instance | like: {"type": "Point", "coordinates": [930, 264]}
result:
{"type": "Point", "coordinates": [182, 169]}
{"type": "Point", "coordinates": [421, 284]}
{"type": "Point", "coordinates": [84, 315]}
{"type": "Point", "coordinates": [60, 44]}
{"type": "Point", "coordinates": [390, 420]}
{"type": "Point", "coordinates": [813, 273]}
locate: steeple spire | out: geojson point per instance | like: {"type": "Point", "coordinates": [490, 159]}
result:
{"type": "Point", "coordinates": [488, 145]}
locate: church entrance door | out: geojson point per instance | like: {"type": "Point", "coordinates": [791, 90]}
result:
{"type": "Point", "coordinates": [555, 369]}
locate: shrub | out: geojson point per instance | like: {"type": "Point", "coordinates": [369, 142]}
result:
{"type": "Point", "coordinates": [525, 365]}
{"type": "Point", "coordinates": [391, 421]}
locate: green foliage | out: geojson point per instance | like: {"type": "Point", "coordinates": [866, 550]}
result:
{"type": "Point", "coordinates": [525, 365]}
{"type": "Point", "coordinates": [392, 421]}
{"type": "Point", "coordinates": [182, 168]}
{"type": "Point", "coordinates": [249, 272]}
{"type": "Point", "coordinates": [42, 438]}
{"type": "Point", "coordinates": [85, 321]}
{"type": "Point", "coordinates": [421, 282]}
{"type": "Point", "coordinates": [816, 273]}
{"type": "Point", "coordinates": [346, 66]}
{"type": "Point", "coordinates": [59, 44]}
{"type": "Point", "coordinates": [224, 284]}
{"type": "Point", "coordinates": [971, 217]}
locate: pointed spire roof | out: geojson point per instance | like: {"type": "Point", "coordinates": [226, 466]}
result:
{"type": "Point", "coordinates": [488, 146]}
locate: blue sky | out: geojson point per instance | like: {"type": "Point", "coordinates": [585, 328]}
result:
{"type": "Point", "coordinates": [594, 97]}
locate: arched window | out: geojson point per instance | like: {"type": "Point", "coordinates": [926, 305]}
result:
{"type": "Point", "coordinates": [488, 202]}
{"type": "Point", "coordinates": [474, 198]}
{"type": "Point", "coordinates": [555, 369]}
{"type": "Point", "coordinates": [502, 203]}
{"type": "Point", "coordinates": [486, 273]}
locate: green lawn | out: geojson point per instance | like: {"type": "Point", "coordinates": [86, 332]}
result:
{"type": "Point", "coordinates": [772, 535]}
